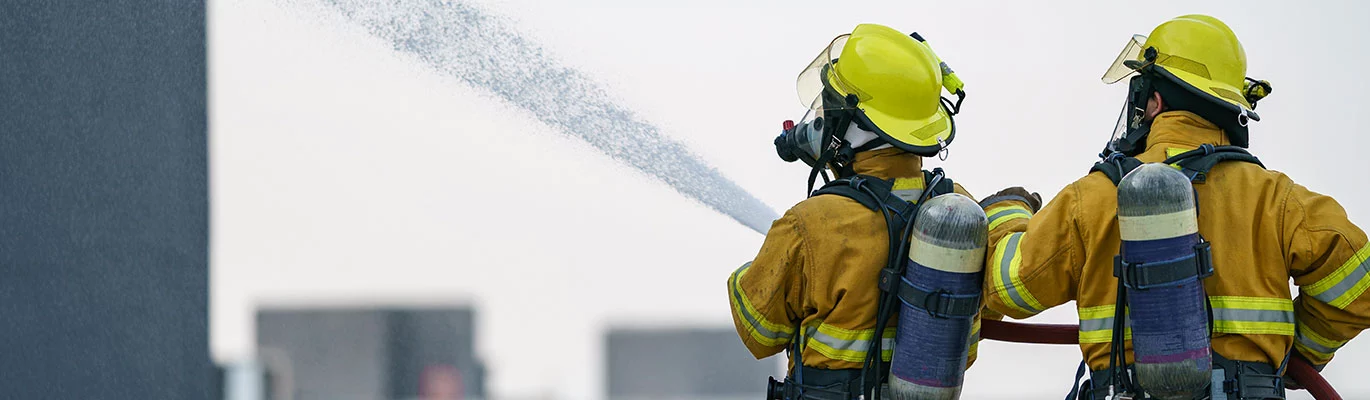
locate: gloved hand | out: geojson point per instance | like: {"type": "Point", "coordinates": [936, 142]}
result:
{"type": "Point", "coordinates": [1289, 382]}
{"type": "Point", "coordinates": [1033, 200]}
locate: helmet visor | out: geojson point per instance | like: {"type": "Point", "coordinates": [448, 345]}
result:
{"type": "Point", "coordinates": [1128, 61]}
{"type": "Point", "coordinates": [811, 81]}
{"type": "Point", "coordinates": [1119, 128]}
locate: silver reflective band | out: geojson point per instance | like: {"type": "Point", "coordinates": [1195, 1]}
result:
{"type": "Point", "coordinates": [1345, 285]}
{"type": "Point", "coordinates": [1005, 262]}
{"type": "Point", "coordinates": [853, 350]}
{"type": "Point", "coordinates": [1008, 212]}
{"type": "Point", "coordinates": [1237, 314]}
{"type": "Point", "coordinates": [1100, 324]}
{"type": "Point", "coordinates": [746, 314]}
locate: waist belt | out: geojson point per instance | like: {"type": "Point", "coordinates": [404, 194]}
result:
{"type": "Point", "coordinates": [823, 377]}
{"type": "Point", "coordinates": [1232, 380]}
{"type": "Point", "coordinates": [819, 384]}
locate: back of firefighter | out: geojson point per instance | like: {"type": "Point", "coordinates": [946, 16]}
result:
{"type": "Point", "coordinates": [812, 288]}
{"type": "Point", "coordinates": [1263, 227]}
{"type": "Point", "coordinates": [817, 271]}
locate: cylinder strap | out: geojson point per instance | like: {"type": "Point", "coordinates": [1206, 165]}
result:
{"type": "Point", "coordinates": [1148, 275]}
{"type": "Point", "coordinates": [940, 303]}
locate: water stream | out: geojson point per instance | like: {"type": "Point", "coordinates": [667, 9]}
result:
{"type": "Point", "coordinates": [463, 41]}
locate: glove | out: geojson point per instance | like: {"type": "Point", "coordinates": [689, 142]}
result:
{"type": "Point", "coordinates": [1033, 200]}
{"type": "Point", "coordinates": [1289, 382]}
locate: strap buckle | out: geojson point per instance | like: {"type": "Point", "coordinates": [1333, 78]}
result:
{"type": "Point", "coordinates": [1203, 259]}
{"type": "Point", "coordinates": [1247, 380]}
{"type": "Point", "coordinates": [936, 303]}
{"type": "Point", "coordinates": [856, 181]}
{"type": "Point", "coordinates": [1251, 385]}
{"type": "Point", "coordinates": [888, 276]}
{"type": "Point", "coordinates": [1127, 272]}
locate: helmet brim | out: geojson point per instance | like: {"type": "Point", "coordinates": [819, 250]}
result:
{"type": "Point", "coordinates": [923, 136]}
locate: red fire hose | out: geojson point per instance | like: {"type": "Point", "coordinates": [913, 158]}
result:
{"type": "Point", "coordinates": [1015, 332]}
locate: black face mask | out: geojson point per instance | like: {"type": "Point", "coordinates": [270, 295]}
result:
{"type": "Point", "coordinates": [819, 142]}
{"type": "Point", "coordinates": [808, 142]}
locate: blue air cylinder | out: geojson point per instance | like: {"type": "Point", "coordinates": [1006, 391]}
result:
{"type": "Point", "coordinates": [1170, 340]}
{"type": "Point", "coordinates": [946, 261]}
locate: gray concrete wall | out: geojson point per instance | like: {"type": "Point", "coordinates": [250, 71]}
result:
{"type": "Point", "coordinates": [682, 364]}
{"type": "Point", "coordinates": [103, 200]}
{"type": "Point", "coordinates": [371, 353]}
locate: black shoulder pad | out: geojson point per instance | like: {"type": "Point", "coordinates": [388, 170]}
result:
{"type": "Point", "coordinates": [1116, 167]}
{"type": "Point", "coordinates": [943, 187]}
{"type": "Point", "coordinates": [842, 187]}
{"type": "Point", "coordinates": [872, 192]}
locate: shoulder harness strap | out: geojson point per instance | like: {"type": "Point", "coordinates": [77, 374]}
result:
{"type": "Point", "coordinates": [852, 187]}
{"type": "Point", "coordinates": [875, 193]}
{"type": "Point", "coordinates": [1196, 163]}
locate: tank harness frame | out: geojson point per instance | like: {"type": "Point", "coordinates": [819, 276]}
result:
{"type": "Point", "coordinates": [876, 194]}
{"type": "Point", "coordinates": [1241, 380]}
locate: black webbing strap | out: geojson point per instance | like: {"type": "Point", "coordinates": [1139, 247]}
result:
{"type": "Point", "coordinates": [1077, 387]}
{"type": "Point", "coordinates": [1196, 163]}
{"type": "Point", "coordinates": [940, 303]}
{"type": "Point", "coordinates": [1139, 276]}
{"type": "Point", "coordinates": [851, 187]}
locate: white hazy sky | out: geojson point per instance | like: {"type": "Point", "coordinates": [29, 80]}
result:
{"type": "Point", "coordinates": [343, 173]}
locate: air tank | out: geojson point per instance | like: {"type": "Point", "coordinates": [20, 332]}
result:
{"type": "Point", "coordinates": [1158, 220]}
{"type": "Point", "coordinates": [946, 258]}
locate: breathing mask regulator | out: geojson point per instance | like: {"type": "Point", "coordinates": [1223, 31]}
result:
{"type": "Point", "coordinates": [819, 140]}
{"type": "Point", "coordinates": [837, 104]}
{"type": "Point", "coordinates": [1148, 74]}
